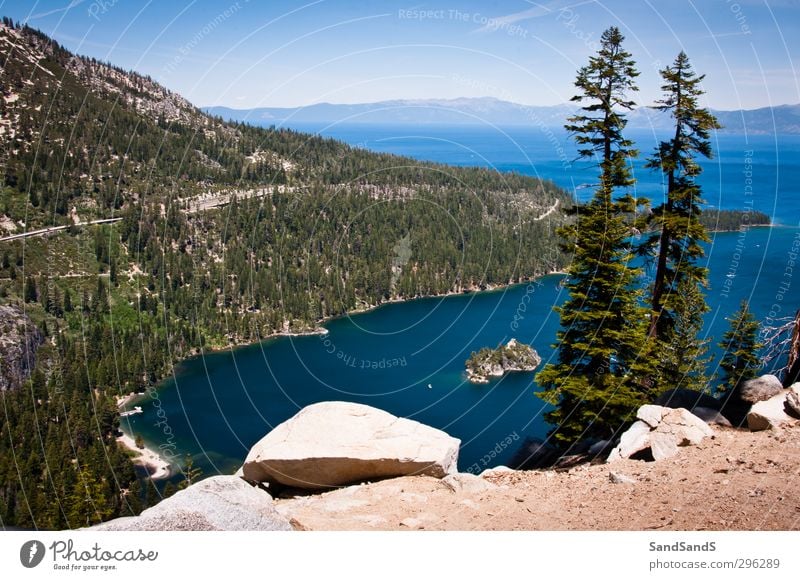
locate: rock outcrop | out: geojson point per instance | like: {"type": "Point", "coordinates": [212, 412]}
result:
{"type": "Point", "coordinates": [747, 473]}
{"type": "Point", "coordinates": [792, 404]}
{"type": "Point", "coordinates": [760, 389]}
{"type": "Point", "coordinates": [772, 413]}
{"type": "Point", "coordinates": [737, 403]}
{"type": "Point", "coordinates": [403, 503]}
{"type": "Point", "coordinates": [336, 443]}
{"type": "Point", "coordinates": [672, 494]}
{"type": "Point", "coordinates": [731, 409]}
{"type": "Point", "coordinates": [19, 340]}
{"type": "Point", "coordinates": [662, 431]}
{"type": "Point", "coordinates": [224, 502]}
{"type": "Point", "coordinates": [511, 357]}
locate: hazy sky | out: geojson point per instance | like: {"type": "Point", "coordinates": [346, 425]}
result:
{"type": "Point", "coordinates": [249, 53]}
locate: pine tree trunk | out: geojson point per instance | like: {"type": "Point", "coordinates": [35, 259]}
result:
{"type": "Point", "coordinates": [661, 267]}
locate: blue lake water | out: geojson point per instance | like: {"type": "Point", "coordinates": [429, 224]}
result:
{"type": "Point", "coordinates": [408, 358]}
{"type": "Point", "coordinates": [771, 161]}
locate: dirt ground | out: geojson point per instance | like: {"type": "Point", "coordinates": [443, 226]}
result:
{"type": "Point", "coordinates": [736, 480]}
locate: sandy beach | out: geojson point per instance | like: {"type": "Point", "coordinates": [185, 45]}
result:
{"type": "Point", "coordinates": [156, 466]}
{"type": "Point", "coordinates": [123, 400]}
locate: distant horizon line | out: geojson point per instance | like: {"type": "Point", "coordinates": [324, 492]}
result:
{"type": "Point", "coordinates": [453, 99]}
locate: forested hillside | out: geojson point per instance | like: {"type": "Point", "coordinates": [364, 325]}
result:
{"type": "Point", "coordinates": [216, 234]}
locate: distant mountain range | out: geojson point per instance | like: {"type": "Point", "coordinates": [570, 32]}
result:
{"type": "Point", "coordinates": [490, 111]}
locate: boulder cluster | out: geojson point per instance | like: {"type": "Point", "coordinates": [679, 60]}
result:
{"type": "Point", "coordinates": [335, 445]}
{"type": "Point", "coordinates": [660, 430]}
{"type": "Point", "coordinates": [681, 417]}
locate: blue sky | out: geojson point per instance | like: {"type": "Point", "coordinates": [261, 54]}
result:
{"type": "Point", "coordinates": [249, 53]}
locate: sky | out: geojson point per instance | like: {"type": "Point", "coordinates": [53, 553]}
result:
{"type": "Point", "coordinates": [250, 53]}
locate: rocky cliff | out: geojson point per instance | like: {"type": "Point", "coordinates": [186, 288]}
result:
{"type": "Point", "coordinates": [19, 340]}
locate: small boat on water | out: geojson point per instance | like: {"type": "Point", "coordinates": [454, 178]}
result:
{"type": "Point", "coordinates": [135, 411]}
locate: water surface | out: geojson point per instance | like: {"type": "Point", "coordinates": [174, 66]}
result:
{"type": "Point", "coordinates": [408, 358]}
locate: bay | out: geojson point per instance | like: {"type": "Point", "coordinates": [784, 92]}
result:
{"type": "Point", "coordinates": [408, 358]}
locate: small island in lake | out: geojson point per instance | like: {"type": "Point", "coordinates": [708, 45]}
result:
{"type": "Point", "coordinates": [513, 356]}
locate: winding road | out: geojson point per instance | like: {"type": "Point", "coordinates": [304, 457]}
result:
{"type": "Point", "coordinates": [45, 231]}
{"type": "Point", "coordinates": [548, 212]}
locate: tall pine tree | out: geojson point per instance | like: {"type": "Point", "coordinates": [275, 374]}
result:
{"type": "Point", "coordinates": [677, 300]}
{"type": "Point", "coordinates": [603, 335]}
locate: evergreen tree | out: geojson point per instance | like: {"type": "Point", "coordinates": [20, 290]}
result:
{"type": "Point", "coordinates": [88, 503]}
{"type": "Point", "coordinates": [100, 303]}
{"type": "Point", "coordinates": [31, 292]}
{"type": "Point", "coordinates": [603, 324]}
{"type": "Point", "coordinates": [740, 343]}
{"type": "Point", "coordinates": [151, 496]}
{"type": "Point", "coordinates": [682, 353]}
{"type": "Point", "coordinates": [190, 473]}
{"type": "Point", "coordinates": [133, 499]}
{"type": "Point", "coordinates": [676, 293]}
{"type": "Point", "coordinates": [680, 230]}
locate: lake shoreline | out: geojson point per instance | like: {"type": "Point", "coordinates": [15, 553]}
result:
{"type": "Point", "coordinates": [320, 330]}
{"type": "Point", "coordinates": [159, 468]}
{"type": "Point", "coordinates": [317, 329]}
{"type": "Point", "coordinates": [155, 465]}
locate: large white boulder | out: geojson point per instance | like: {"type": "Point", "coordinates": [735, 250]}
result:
{"type": "Point", "coordinates": [223, 502]}
{"type": "Point", "coordinates": [335, 443]}
{"type": "Point", "coordinates": [772, 412]}
{"type": "Point", "coordinates": [635, 439]}
{"type": "Point", "coordinates": [662, 430]}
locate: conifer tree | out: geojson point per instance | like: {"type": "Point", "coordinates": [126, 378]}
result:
{"type": "Point", "coordinates": [88, 503]}
{"type": "Point", "coordinates": [190, 473]}
{"type": "Point", "coordinates": [31, 292]}
{"type": "Point", "coordinates": [682, 353]}
{"type": "Point", "coordinates": [133, 499]}
{"type": "Point", "coordinates": [151, 495]}
{"type": "Point", "coordinates": [593, 384]}
{"type": "Point", "coordinates": [676, 293]}
{"type": "Point", "coordinates": [740, 343]}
